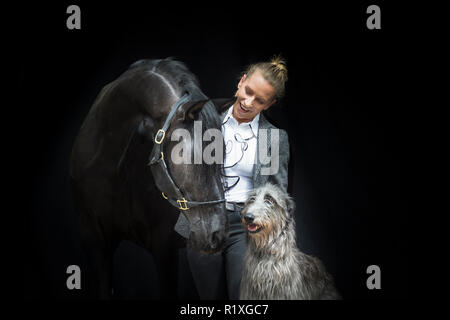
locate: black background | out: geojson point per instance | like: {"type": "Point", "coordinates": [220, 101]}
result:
{"type": "Point", "coordinates": [338, 111]}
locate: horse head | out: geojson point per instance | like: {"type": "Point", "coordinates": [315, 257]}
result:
{"type": "Point", "coordinates": [184, 175]}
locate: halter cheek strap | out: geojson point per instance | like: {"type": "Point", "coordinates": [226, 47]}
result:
{"type": "Point", "coordinates": [157, 154]}
{"type": "Point", "coordinates": [161, 173]}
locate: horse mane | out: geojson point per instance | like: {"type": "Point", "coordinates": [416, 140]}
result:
{"type": "Point", "coordinates": [178, 73]}
{"type": "Point", "coordinates": [175, 71]}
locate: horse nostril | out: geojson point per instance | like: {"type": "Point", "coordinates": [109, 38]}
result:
{"type": "Point", "coordinates": [249, 218]}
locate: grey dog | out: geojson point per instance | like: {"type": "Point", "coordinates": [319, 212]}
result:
{"type": "Point", "coordinates": [274, 268]}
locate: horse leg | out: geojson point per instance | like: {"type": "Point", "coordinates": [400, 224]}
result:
{"type": "Point", "coordinates": [100, 255]}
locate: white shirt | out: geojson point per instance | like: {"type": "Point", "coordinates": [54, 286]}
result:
{"type": "Point", "coordinates": [246, 132]}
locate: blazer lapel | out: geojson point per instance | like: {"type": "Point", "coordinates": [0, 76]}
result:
{"type": "Point", "coordinates": [257, 178]}
{"type": "Point", "coordinates": [222, 116]}
{"type": "Point", "coordinates": [222, 106]}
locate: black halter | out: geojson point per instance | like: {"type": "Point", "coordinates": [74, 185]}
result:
{"type": "Point", "coordinates": [160, 172]}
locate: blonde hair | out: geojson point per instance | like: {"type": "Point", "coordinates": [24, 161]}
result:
{"type": "Point", "coordinates": [275, 72]}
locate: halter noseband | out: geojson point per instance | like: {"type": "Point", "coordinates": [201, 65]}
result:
{"type": "Point", "coordinates": [157, 162]}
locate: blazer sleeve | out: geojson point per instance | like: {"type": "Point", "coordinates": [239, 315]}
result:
{"type": "Point", "coordinates": [281, 177]}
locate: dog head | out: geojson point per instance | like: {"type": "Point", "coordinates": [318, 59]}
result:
{"type": "Point", "coordinates": [267, 211]}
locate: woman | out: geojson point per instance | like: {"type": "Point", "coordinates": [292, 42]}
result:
{"type": "Point", "coordinates": [246, 132]}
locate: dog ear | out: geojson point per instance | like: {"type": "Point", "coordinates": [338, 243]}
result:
{"type": "Point", "coordinates": [290, 205]}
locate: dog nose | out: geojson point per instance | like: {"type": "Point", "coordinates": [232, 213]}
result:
{"type": "Point", "coordinates": [249, 217]}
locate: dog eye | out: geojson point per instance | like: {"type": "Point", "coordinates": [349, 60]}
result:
{"type": "Point", "coordinates": [268, 201]}
{"type": "Point", "coordinates": [251, 199]}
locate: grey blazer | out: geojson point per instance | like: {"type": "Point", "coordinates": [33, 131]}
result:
{"type": "Point", "coordinates": [261, 170]}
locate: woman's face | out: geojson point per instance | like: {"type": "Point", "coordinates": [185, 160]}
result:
{"type": "Point", "coordinates": [254, 95]}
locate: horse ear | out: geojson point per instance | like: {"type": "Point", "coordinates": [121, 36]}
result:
{"type": "Point", "coordinates": [190, 111]}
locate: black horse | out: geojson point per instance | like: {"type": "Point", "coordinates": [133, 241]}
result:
{"type": "Point", "coordinates": [117, 172]}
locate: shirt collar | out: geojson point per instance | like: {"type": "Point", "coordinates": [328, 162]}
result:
{"type": "Point", "coordinates": [254, 124]}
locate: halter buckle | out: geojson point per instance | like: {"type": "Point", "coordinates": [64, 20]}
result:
{"type": "Point", "coordinates": [158, 134]}
{"type": "Point", "coordinates": [182, 204]}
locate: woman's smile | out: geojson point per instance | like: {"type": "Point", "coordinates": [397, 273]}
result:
{"type": "Point", "coordinates": [254, 94]}
{"type": "Point", "coordinates": [242, 109]}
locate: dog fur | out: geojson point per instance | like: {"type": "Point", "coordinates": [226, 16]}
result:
{"type": "Point", "coordinates": [274, 268]}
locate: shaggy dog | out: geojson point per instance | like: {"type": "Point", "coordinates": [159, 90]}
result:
{"type": "Point", "coordinates": [274, 268]}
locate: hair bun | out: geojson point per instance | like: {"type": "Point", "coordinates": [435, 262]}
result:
{"type": "Point", "coordinates": [279, 63]}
